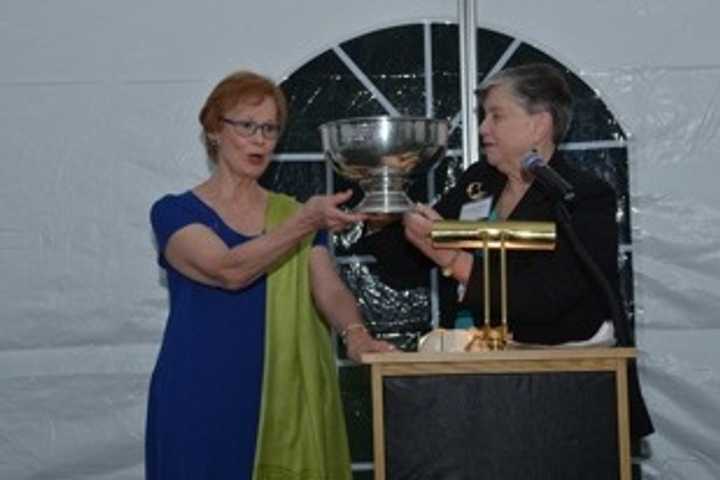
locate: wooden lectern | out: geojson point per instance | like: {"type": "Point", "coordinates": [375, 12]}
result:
{"type": "Point", "coordinates": [550, 413]}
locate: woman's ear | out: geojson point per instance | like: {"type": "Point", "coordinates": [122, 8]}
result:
{"type": "Point", "coordinates": [542, 127]}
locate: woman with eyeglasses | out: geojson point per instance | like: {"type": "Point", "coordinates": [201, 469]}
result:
{"type": "Point", "coordinates": [245, 382]}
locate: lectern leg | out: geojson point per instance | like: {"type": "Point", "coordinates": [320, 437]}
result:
{"type": "Point", "coordinates": [623, 417]}
{"type": "Point", "coordinates": [378, 423]}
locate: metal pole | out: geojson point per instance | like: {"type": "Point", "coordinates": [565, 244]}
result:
{"type": "Point", "coordinates": [468, 80]}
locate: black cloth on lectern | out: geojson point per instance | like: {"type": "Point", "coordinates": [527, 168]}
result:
{"type": "Point", "coordinates": [541, 426]}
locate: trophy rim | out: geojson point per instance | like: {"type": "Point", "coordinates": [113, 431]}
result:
{"type": "Point", "coordinates": [391, 118]}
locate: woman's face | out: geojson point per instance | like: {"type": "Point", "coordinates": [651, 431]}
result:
{"type": "Point", "coordinates": [507, 132]}
{"type": "Point", "coordinates": [243, 153]}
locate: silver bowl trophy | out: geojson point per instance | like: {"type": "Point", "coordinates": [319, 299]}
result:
{"type": "Point", "coordinates": [382, 154]}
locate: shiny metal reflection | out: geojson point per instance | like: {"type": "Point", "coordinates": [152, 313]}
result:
{"type": "Point", "coordinates": [515, 235]}
{"type": "Point", "coordinates": [382, 153]}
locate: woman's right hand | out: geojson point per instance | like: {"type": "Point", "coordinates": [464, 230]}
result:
{"type": "Point", "coordinates": [323, 212]}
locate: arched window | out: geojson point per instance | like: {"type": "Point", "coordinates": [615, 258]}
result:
{"type": "Point", "coordinates": [414, 69]}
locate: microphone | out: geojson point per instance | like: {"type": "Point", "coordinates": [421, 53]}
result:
{"type": "Point", "coordinates": [553, 182]}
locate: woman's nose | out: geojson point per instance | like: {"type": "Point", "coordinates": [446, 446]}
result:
{"type": "Point", "coordinates": [258, 137]}
{"type": "Point", "coordinates": [483, 127]}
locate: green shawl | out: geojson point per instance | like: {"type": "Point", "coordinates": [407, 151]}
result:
{"type": "Point", "coordinates": [302, 433]}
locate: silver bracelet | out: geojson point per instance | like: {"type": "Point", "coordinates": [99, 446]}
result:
{"type": "Point", "coordinates": [346, 331]}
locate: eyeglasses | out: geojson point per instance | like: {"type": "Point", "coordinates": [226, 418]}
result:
{"type": "Point", "coordinates": [247, 128]}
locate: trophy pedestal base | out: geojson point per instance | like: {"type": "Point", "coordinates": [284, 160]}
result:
{"type": "Point", "coordinates": [384, 202]}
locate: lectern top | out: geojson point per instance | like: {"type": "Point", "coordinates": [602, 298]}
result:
{"type": "Point", "coordinates": [503, 355]}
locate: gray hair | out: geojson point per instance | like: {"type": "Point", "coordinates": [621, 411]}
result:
{"type": "Point", "coordinates": [538, 87]}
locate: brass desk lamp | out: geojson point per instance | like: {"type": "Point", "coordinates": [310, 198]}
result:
{"type": "Point", "coordinates": [503, 236]}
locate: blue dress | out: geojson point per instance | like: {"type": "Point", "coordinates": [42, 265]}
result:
{"type": "Point", "coordinates": [204, 398]}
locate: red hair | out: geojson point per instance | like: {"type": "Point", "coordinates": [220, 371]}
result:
{"type": "Point", "coordinates": [242, 86]}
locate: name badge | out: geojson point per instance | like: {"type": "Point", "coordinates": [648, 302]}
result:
{"type": "Point", "coordinates": [476, 210]}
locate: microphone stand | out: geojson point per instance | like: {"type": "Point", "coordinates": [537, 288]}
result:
{"type": "Point", "coordinates": [639, 415]}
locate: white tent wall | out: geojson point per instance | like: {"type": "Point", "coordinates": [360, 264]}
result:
{"type": "Point", "coordinates": [98, 105]}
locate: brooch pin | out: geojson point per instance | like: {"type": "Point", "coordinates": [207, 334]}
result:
{"type": "Point", "coordinates": [474, 191]}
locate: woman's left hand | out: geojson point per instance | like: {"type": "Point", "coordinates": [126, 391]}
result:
{"type": "Point", "coordinates": [360, 341]}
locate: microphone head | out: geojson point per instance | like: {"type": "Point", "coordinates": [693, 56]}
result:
{"type": "Point", "coordinates": [532, 161]}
